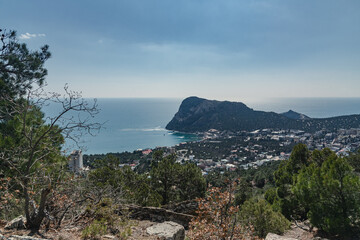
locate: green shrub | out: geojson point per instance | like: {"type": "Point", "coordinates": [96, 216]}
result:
{"type": "Point", "coordinates": [95, 230]}
{"type": "Point", "coordinates": [260, 215]}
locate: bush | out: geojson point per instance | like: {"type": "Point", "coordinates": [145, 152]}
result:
{"type": "Point", "coordinates": [217, 217]}
{"type": "Point", "coordinates": [104, 214]}
{"type": "Point", "coordinates": [95, 230]}
{"type": "Point", "coordinates": [260, 215]}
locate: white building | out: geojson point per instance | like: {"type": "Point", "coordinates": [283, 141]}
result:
{"type": "Point", "coordinates": [76, 161]}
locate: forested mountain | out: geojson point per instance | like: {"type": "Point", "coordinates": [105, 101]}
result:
{"type": "Point", "coordinates": [198, 115]}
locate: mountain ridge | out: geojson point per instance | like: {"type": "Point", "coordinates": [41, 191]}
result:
{"type": "Point", "coordinates": [294, 115]}
{"type": "Point", "coordinates": [198, 115]}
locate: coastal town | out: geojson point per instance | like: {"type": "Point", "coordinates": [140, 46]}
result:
{"type": "Point", "coordinates": [228, 151]}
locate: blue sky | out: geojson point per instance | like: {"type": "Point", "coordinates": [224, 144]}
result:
{"type": "Point", "coordinates": [218, 49]}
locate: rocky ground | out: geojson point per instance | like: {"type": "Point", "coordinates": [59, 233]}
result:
{"type": "Point", "coordinates": [147, 230]}
{"type": "Point", "coordinates": [74, 233]}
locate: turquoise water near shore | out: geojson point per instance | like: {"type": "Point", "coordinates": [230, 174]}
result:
{"type": "Point", "coordinates": [131, 124]}
{"type": "Point", "coordinates": [137, 123]}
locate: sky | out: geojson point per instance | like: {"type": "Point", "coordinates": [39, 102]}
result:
{"type": "Point", "coordinates": [241, 50]}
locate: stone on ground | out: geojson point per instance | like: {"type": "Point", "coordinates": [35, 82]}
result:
{"type": "Point", "coordinates": [273, 236]}
{"type": "Point", "coordinates": [15, 237]}
{"type": "Point", "coordinates": [167, 231]}
{"type": "Point", "coordinates": [16, 223]}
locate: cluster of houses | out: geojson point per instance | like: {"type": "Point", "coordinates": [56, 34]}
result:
{"type": "Point", "coordinates": [341, 141]}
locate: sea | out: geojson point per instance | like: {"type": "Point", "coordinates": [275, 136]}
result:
{"type": "Point", "coordinates": [130, 124]}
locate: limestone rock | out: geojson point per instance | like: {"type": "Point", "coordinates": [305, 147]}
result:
{"type": "Point", "coordinates": [108, 237]}
{"type": "Point", "coordinates": [16, 223]}
{"type": "Point", "coordinates": [15, 237]}
{"type": "Point", "coordinates": [167, 231]}
{"type": "Point", "coordinates": [273, 236]}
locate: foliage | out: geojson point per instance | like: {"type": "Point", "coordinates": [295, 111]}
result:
{"type": "Point", "coordinates": [104, 219]}
{"type": "Point", "coordinates": [354, 160]}
{"type": "Point", "coordinates": [260, 215]}
{"type": "Point", "coordinates": [321, 186]}
{"type": "Point", "coordinates": [133, 187]}
{"type": "Point", "coordinates": [20, 68]}
{"type": "Point", "coordinates": [288, 202]}
{"type": "Point", "coordinates": [30, 145]}
{"type": "Point", "coordinates": [10, 206]}
{"type": "Point", "coordinates": [176, 182]}
{"type": "Point", "coordinates": [217, 217]}
{"type": "Point", "coordinates": [243, 192]}
{"type": "Point", "coordinates": [331, 192]}
{"type": "Point", "coordinates": [95, 230]}
{"type": "Point", "coordinates": [96, 160]}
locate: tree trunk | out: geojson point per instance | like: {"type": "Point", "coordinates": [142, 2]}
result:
{"type": "Point", "coordinates": [33, 221]}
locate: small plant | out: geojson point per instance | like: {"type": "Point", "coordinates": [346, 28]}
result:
{"type": "Point", "coordinates": [106, 220]}
{"type": "Point", "coordinates": [95, 230]}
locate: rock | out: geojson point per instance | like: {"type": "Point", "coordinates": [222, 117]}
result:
{"type": "Point", "coordinates": [157, 214]}
{"type": "Point", "coordinates": [108, 237]}
{"type": "Point", "coordinates": [167, 231]}
{"type": "Point", "coordinates": [15, 237]}
{"type": "Point", "coordinates": [273, 236]}
{"type": "Point", "coordinates": [16, 223]}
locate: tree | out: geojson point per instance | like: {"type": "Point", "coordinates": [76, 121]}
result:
{"type": "Point", "coordinates": [176, 182]}
{"type": "Point", "coordinates": [243, 192]}
{"type": "Point", "coordinates": [30, 144]}
{"type": "Point", "coordinates": [331, 192]}
{"type": "Point", "coordinates": [131, 186]}
{"type": "Point", "coordinates": [20, 68]}
{"type": "Point", "coordinates": [354, 160]}
{"type": "Point", "coordinates": [289, 204]}
{"type": "Point", "coordinates": [191, 183]}
{"type": "Point", "coordinates": [164, 178]}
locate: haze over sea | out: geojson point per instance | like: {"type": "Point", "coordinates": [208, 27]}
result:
{"type": "Point", "coordinates": [139, 123]}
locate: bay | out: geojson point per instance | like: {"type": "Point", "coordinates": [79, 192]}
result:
{"type": "Point", "coordinates": [130, 124]}
{"type": "Point", "coordinates": [139, 123]}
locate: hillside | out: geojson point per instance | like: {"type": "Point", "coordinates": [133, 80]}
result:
{"type": "Point", "coordinates": [198, 115]}
{"type": "Point", "coordinates": [294, 115]}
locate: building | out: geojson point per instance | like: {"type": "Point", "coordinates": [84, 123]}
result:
{"type": "Point", "coordinates": [76, 161]}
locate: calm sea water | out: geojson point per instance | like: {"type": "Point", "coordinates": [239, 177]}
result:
{"type": "Point", "coordinates": [132, 124]}
{"type": "Point", "coordinates": [312, 107]}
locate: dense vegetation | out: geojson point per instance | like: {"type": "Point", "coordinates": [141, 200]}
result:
{"type": "Point", "coordinates": [199, 115]}
{"type": "Point", "coordinates": [320, 186]}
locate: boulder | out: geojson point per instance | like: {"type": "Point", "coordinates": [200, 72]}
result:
{"type": "Point", "coordinates": [167, 231]}
{"type": "Point", "coordinates": [273, 236]}
{"type": "Point", "coordinates": [16, 223]}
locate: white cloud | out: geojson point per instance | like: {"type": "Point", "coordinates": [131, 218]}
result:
{"type": "Point", "coordinates": [31, 35]}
